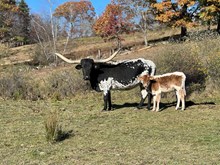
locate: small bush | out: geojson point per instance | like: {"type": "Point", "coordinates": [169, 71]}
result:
{"type": "Point", "coordinates": [53, 129]}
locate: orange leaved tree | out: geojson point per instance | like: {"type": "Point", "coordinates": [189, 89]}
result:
{"type": "Point", "coordinates": [177, 13]}
{"type": "Point", "coordinates": [112, 23]}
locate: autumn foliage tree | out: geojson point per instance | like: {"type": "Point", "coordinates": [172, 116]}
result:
{"type": "Point", "coordinates": [177, 13]}
{"type": "Point", "coordinates": [210, 11]}
{"type": "Point", "coordinates": [112, 23]}
{"type": "Point", "coordinates": [79, 16]}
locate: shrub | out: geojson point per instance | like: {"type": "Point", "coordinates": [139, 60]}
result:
{"type": "Point", "coordinates": [14, 86]}
{"type": "Point", "coordinates": [64, 84]}
{"type": "Point", "coordinates": [4, 51]}
{"type": "Point", "coordinates": [43, 57]}
{"type": "Point", "coordinates": [213, 66]}
{"type": "Point", "coordinates": [184, 58]}
{"type": "Point", "coordinates": [58, 85]}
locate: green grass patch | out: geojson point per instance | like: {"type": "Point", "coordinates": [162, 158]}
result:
{"type": "Point", "coordinates": [122, 136]}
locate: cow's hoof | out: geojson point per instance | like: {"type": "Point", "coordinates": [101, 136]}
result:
{"type": "Point", "coordinates": [139, 107]}
{"type": "Point", "coordinates": [112, 109]}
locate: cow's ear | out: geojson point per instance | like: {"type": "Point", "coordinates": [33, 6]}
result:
{"type": "Point", "coordinates": [78, 66]}
{"type": "Point", "coordinates": [96, 66]}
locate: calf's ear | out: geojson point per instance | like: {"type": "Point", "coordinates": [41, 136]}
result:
{"type": "Point", "coordinates": [78, 66]}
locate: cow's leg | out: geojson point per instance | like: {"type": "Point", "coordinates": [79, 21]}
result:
{"type": "Point", "coordinates": [105, 101]}
{"type": "Point", "coordinates": [149, 100]}
{"type": "Point", "coordinates": [143, 96]}
{"type": "Point", "coordinates": [149, 96]}
{"type": "Point", "coordinates": [109, 101]}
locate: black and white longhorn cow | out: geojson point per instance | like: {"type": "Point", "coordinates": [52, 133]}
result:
{"type": "Point", "coordinates": [104, 75]}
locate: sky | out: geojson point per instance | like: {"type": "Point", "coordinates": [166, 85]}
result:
{"type": "Point", "coordinates": [42, 6]}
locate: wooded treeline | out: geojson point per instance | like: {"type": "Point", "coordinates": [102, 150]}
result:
{"type": "Point", "coordinates": [78, 19]}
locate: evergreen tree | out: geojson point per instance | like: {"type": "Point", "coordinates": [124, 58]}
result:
{"type": "Point", "coordinates": [23, 21]}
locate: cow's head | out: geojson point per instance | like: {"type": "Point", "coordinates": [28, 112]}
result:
{"type": "Point", "coordinates": [87, 65]}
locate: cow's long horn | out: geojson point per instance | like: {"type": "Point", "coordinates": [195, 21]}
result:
{"type": "Point", "coordinates": [67, 60]}
{"type": "Point", "coordinates": [110, 58]}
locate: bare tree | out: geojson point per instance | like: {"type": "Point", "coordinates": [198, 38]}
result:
{"type": "Point", "coordinates": [69, 20]}
{"type": "Point", "coordinates": [142, 14]}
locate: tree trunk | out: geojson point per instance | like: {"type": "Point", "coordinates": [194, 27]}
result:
{"type": "Point", "coordinates": [183, 31]}
{"type": "Point", "coordinates": [145, 39]}
{"type": "Point", "coordinates": [218, 26]}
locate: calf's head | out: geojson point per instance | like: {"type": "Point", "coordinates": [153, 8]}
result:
{"type": "Point", "coordinates": [145, 80]}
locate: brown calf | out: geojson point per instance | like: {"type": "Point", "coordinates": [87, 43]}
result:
{"type": "Point", "coordinates": [165, 83]}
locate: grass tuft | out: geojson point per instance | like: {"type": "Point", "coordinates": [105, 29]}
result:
{"type": "Point", "coordinates": [54, 131]}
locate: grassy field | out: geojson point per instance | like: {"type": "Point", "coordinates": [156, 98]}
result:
{"type": "Point", "coordinates": [123, 136]}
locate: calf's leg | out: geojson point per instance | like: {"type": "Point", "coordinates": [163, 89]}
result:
{"type": "Point", "coordinates": [183, 99]}
{"type": "Point", "coordinates": [158, 96]}
{"type": "Point", "coordinates": [154, 103]}
{"type": "Point", "coordinates": [178, 99]}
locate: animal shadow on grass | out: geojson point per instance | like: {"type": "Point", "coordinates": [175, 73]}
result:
{"type": "Point", "coordinates": [163, 106]}
{"type": "Point", "coordinates": [189, 103]}
{"type": "Point", "coordinates": [63, 135]}
{"type": "Point", "coordinates": [125, 105]}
